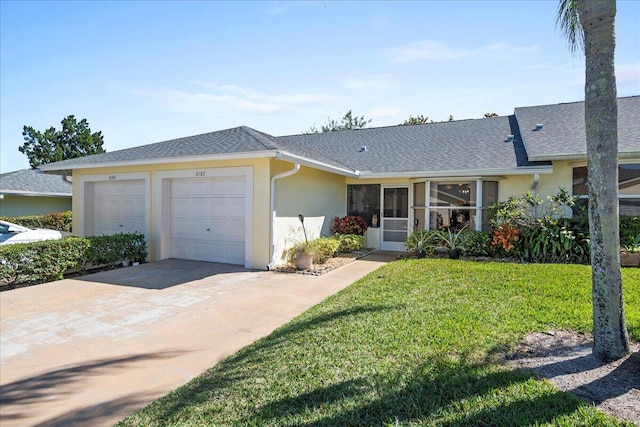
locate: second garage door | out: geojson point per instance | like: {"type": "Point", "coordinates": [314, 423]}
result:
{"type": "Point", "coordinates": [208, 219]}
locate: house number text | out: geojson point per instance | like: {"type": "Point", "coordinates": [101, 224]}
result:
{"type": "Point", "coordinates": [200, 173]}
{"type": "Point", "coordinates": [112, 177]}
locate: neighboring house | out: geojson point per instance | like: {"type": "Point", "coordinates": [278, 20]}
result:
{"type": "Point", "coordinates": [31, 192]}
{"type": "Point", "coordinates": [233, 196]}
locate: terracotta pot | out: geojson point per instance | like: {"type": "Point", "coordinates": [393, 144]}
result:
{"type": "Point", "coordinates": [630, 259]}
{"type": "Point", "coordinates": [304, 261]}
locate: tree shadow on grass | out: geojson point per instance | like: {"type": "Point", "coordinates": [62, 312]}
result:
{"type": "Point", "coordinates": [378, 400]}
{"type": "Point", "coordinates": [234, 369]}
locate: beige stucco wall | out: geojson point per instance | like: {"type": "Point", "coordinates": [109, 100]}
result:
{"type": "Point", "coordinates": [13, 205]}
{"type": "Point", "coordinates": [261, 201]}
{"type": "Point", "coordinates": [310, 192]}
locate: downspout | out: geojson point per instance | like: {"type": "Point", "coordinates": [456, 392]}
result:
{"type": "Point", "coordinates": [534, 186]}
{"type": "Point", "coordinates": [274, 178]}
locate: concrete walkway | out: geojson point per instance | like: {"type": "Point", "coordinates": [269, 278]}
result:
{"type": "Point", "coordinates": [91, 350]}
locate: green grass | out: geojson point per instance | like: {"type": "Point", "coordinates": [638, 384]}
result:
{"type": "Point", "coordinates": [415, 343]}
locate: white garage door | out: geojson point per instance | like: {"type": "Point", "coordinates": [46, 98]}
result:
{"type": "Point", "coordinates": [119, 207]}
{"type": "Point", "coordinates": [208, 219]}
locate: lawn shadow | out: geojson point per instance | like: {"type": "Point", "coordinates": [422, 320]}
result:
{"type": "Point", "coordinates": [377, 400]}
{"type": "Point", "coordinates": [34, 390]}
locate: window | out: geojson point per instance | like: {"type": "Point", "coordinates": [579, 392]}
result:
{"type": "Point", "coordinates": [454, 204]}
{"type": "Point", "coordinates": [364, 200]}
{"type": "Point", "coordinates": [628, 187]}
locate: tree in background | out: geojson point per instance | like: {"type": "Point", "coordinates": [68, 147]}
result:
{"type": "Point", "coordinates": [348, 121]}
{"type": "Point", "coordinates": [487, 115]}
{"type": "Point", "coordinates": [588, 26]}
{"type": "Point", "coordinates": [417, 120]}
{"type": "Point", "coordinates": [73, 140]}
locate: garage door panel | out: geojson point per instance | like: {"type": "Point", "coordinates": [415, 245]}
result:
{"type": "Point", "coordinates": [208, 219]}
{"type": "Point", "coordinates": [119, 207]}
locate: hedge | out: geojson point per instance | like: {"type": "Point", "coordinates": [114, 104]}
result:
{"type": "Point", "coordinates": [48, 260]}
{"type": "Point", "coordinates": [60, 221]}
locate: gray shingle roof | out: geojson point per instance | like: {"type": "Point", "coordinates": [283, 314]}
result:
{"type": "Point", "coordinates": [29, 181]}
{"type": "Point", "coordinates": [236, 140]}
{"type": "Point", "coordinates": [465, 145]}
{"type": "Point", "coordinates": [563, 134]}
{"type": "Point", "coordinates": [434, 147]}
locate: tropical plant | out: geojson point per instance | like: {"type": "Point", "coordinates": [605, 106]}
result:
{"type": "Point", "coordinates": [422, 242]}
{"type": "Point", "coordinates": [589, 25]}
{"type": "Point", "coordinates": [350, 224]}
{"type": "Point", "coordinates": [476, 243]}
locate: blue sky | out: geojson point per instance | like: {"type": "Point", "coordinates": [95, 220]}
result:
{"type": "Point", "coordinates": [144, 72]}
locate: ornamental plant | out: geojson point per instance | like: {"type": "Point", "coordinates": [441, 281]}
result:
{"type": "Point", "coordinates": [350, 224]}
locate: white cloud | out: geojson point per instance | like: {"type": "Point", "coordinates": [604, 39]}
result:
{"type": "Point", "coordinates": [231, 97]}
{"type": "Point", "coordinates": [436, 50]}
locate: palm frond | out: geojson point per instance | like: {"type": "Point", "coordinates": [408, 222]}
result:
{"type": "Point", "coordinates": [568, 20]}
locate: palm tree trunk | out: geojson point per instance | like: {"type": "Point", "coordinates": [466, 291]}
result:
{"type": "Point", "coordinates": [611, 340]}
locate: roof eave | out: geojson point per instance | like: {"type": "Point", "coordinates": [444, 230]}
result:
{"type": "Point", "coordinates": [33, 193]}
{"type": "Point", "coordinates": [525, 170]}
{"type": "Point", "coordinates": [51, 168]}
{"type": "Point", "coordinates": [284, 155]}
{"type": "Point", "coordinates": [578, 156]}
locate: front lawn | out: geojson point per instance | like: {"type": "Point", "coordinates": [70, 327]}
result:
{"type": "Point", "coordinates": [416, 342]}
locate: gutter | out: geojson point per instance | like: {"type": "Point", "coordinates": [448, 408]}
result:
{"type": "Point", "coordinates": [274, 178]}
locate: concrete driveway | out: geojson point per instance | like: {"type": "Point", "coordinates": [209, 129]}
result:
{"type": "Point", "coordinates": [91, 350]}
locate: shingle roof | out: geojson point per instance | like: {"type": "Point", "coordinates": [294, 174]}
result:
{"type": "Point", "coordinates": [445, 146]}
{"type": "Point", "coordinates": [29, 181]}
{"type": "Point", "coordinates": [465, 145]}
{"type": "Point", "coordinates": [236, 140]}
{"type": "Point", "coordinates": [563, 134]}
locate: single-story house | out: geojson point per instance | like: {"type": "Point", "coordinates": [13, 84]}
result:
{"type": "Point", "coordinates": [31, 192]}
{"type": "Point", "coordinates": [234, 195]}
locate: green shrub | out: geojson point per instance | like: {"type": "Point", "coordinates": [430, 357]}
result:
{"type": "Point", "coordinates": [113, 249]}
{"type": "Point", "coordinates": [349, 242]}
{"type": "Point", "coordinates": [40, 261]}
{"type": "Point", "coordinates": [629, 229]}
{"type": "Point", "coordinates": [325, 248]}
{"type": "Point", "coordinates": [553, 241]}
{"type": "Point", "coordinates": [475, 243]}
{"type": "Point", "coordinates": [60, 221]}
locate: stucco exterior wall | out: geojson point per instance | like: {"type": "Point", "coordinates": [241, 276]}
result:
{"type": "Point", "coordinates": [13, 205]}
{"type": "Point", "coordinates": [260, 205]}
{"type": "Point", "coordinates": [311, 192]}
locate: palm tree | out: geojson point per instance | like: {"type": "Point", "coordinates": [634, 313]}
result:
{"type": "Point", "coordinates": [589, 26]}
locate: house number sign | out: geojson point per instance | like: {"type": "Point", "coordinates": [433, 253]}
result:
{"type": "Point", "coordinates": [201, 173]}
{"type": "Point", "coordinates": [112, 177]}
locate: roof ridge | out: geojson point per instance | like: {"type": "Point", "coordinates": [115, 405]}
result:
{"type": "Point", "coordinates": [263, 138]}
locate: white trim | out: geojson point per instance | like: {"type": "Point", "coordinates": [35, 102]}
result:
{"type": "Point", "coordinates": [452, 174]}
{"type": "Point", "coordinates": [395, 246]}
{"type": "Point", "coordinates": [163, 212]}
{"type": "Point", "coordinates": [283, 155]}
{"type": "Point", "coordinates": [158, 161]}
{"type": "Point", "coordinates": [579, 156]}
{"type": "Point", "coordinates": [34, 193]}
{"type": "Point", "coordinates": [84, 180]}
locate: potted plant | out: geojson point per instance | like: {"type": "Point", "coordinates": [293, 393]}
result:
{"type": "Point", "coordinates": [302, 254]}
{"type": "Point", "coordinates": [630, 253]}
{"type": "Point", "coordinates": [452, 240]}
